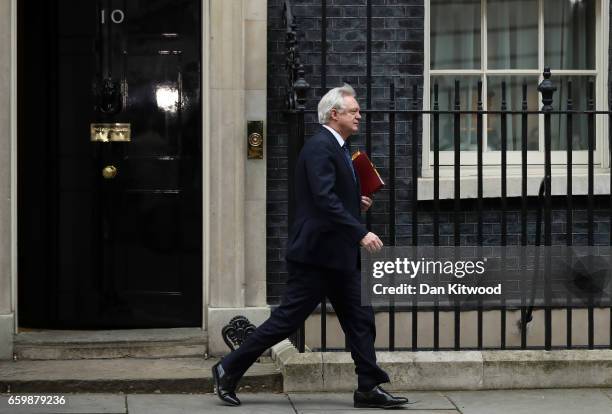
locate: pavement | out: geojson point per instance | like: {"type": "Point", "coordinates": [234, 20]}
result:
{"type": "Point", "coordinates": [544, 401]}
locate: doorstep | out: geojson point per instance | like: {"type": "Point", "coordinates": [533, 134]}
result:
{"type": "Point", "coordinates": [128, 375]}
{"type": "Point", "coordinates": [108, 344]}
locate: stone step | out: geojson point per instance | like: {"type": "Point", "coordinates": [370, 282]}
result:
{"type": "Point", "coordinates": [139, 343]}
{"type": "Point", "coordinates": [132, 375]}
{"type": "Point", "coordinates": [448, 370]}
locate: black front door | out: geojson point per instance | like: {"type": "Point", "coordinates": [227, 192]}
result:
{"type": "Point", "coordinates": [109, 164]}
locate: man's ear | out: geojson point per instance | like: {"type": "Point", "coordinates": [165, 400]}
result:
{"type": "Point", "coordinates": [337, 112]}
{"type": "Point", "coordinates": [332, 113]}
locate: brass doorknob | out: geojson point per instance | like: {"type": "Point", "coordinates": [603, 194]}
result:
{"type": "Point", "coordinates": [109, 172]}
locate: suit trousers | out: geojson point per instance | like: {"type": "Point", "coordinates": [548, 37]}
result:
{"type": "Point", "coordinates": [305, 288]}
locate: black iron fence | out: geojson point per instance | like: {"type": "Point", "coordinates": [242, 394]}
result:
{"type": "Point", "coordinates": [296, 111]}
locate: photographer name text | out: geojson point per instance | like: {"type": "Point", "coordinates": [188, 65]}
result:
{"type": "Point", "coordinates": [426, 289]}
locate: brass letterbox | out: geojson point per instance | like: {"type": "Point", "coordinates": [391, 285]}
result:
{"type": "Point", "coordinates": [108, 132]}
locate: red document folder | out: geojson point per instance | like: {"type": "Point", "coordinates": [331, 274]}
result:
{"type": "Point", "coordinates": [369, 178]}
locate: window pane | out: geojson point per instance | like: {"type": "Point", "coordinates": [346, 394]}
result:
{"type": "Point", "coordinates": [580, 85]}
{"type": "Point", "coordinates": [468, 100]}
{"type": "Point", "coordinates": [512, 34]}
{"type": "Point", "coordinates": [455, 34]}
{"type": "Point", "coordinates": [569, 34]}
{"type": "Point", "coordinates": [514, 102]}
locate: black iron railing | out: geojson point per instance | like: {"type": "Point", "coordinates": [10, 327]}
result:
{"type": "Point", "coordinates": [296, 111]}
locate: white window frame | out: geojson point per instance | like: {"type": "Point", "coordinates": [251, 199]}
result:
{"type": "Point", "coordinates": [492, 159]}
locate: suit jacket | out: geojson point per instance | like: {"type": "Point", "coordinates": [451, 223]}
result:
{"type": "Point", "coordinates": [327, 229]}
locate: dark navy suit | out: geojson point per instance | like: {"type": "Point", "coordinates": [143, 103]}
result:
{"type": "Point", "coordinates": [322, 259]}
{"type": "Point", "coordinates": [327, 229]}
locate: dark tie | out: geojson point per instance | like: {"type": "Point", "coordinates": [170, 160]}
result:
{"type": "Point", "coordinates": [347, 154]}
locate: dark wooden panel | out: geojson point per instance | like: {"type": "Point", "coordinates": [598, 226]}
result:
{"type": "Point", "coordinates": [124, 252]}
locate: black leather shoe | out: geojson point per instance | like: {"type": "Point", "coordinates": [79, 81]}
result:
{"type": "Point", "coordinates": [225, 386]}
{"type": "Point", "coordinates": [377, 398]}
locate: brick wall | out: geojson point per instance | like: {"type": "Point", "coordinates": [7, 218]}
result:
{"type": "Point", "coordinates": [397, 56]}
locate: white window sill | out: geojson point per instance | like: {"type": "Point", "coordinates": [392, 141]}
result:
{"type": "Point", "coordinates": [492, 182]}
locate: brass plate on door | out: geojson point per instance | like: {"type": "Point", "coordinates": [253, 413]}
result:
{"type": "Point", "coordinates": [111, 132]}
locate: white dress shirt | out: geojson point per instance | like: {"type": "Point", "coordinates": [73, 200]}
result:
{"type": "Point", "coordinates": [336, 135]}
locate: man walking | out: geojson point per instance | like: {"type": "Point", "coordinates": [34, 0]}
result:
{"type": "Point", "coordinates": [323, 257]}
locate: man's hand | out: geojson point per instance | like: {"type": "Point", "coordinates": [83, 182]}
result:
{"type": "Point", "coordinates": [371, 242]}
{"type": "Point", "coordinates": [366, 203]}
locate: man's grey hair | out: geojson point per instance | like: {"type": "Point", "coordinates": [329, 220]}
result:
{"type": "Point", "coordinates": [333, 99]}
